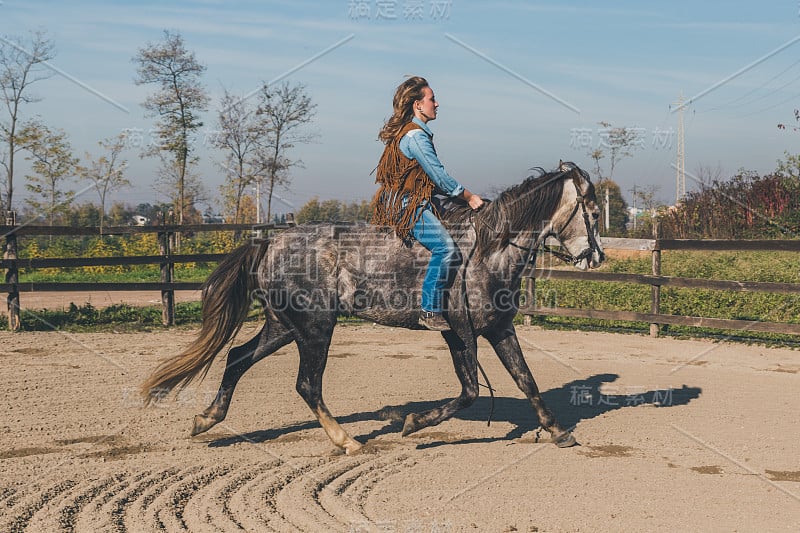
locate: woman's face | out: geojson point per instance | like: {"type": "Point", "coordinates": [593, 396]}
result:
{"type": "Point", "coordinates": [425, 109]}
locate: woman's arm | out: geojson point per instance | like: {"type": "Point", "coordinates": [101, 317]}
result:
{"type": "Point", "coordinates": [420, 147]}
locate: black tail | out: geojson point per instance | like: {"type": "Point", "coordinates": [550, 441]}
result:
{"type": "Point", "coordinates": [226, 301]}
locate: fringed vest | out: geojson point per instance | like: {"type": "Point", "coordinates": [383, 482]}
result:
{"type": "Point", "coordinates": [398, 177]}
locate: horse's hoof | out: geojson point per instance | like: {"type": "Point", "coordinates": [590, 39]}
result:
{"type": "Point", "coordinates": [352, 448]}
{"type": "Point", "coordinates": [410, 425]}
{"type": "Point", "coordinates": [565, 440]}
{"type": "Point", "coordinates": [202, 424]}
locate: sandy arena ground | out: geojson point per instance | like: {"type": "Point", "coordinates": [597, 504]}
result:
{"type": "Point", "coordinates": [61, 300]}
{"type": "Point", "coordinates": [675, 435]}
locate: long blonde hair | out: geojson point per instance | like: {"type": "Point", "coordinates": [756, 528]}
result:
{"type": "Point", "coordinates": [406, 94]}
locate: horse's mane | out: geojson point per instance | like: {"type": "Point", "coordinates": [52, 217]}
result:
{"type": "Point", "coordinates": [522, 206]}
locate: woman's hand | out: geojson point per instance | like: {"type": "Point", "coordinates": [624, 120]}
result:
{"type": "Point", "coordinates": [474, 201]}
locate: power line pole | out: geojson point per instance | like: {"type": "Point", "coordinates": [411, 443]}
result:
{"type": "Point", "coordinates": [680, 179]}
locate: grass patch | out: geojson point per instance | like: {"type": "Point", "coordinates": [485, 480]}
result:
{"type": "Point", "coordinates": [197, 272]}
{"type": "Point", "coordinates": [118, 317]}
{"type": "Point", "coordinates": [779, 267]}
{"type": "Point", "coordinates": [678, 332]}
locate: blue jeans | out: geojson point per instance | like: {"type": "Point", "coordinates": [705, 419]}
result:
{"type": "Point", "coordinates": [431, 234]}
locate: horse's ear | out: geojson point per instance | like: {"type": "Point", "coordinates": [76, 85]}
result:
{"type": "Point", "coordinates": [561, 165]}
{"type": "Point", "coordinates": [577, 179]}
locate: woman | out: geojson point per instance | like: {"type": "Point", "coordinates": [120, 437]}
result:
{"type": "Point", "coordinates": [409, 173]}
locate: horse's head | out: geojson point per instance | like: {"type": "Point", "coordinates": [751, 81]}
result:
{"type": "Point", "coordinates": [574, 222]}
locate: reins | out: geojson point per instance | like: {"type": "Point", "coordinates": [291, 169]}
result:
{"type": "Point", "coordinates": [562, 255]}
{"type": "Point", "coordinates": [472, 326]}
{"type": "Point", "coordinates": [530, 258]}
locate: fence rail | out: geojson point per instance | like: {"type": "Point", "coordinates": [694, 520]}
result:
{"type": "Point", "coordinates": [166, 261]}
{"type": "Point", "coordinates": [29, 229]}
{"type": "Point", "coordinates": [72, 262]}
{"type": "Point", "coordinates": [167, 285]}
{"type": "Point", "coordinates": [656, 281]}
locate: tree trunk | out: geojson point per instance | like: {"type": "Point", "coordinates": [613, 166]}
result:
{"type": "Point", "coordinates": [10, 177]}
{"type": "Point", "coordinates": [269, 199]}
{"type": "Point", "coordinates": [102, 213]}
{"type": "Point", "coordinates": [12, 275]}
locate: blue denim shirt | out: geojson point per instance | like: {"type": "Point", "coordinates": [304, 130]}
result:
{"type": "Point", "coordinates": [418, 144]}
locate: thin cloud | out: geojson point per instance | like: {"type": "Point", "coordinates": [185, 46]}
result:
{"type": "Point", "coordinates": [722, 26]}
{"type": "Point", "coordinates": [573, 10]}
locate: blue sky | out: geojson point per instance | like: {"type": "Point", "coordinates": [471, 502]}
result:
{"type": "Point", "coordinates": [521, 84]}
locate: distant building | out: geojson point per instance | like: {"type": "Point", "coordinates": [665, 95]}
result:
{"type": "Point", "coordinates": [634, 212]}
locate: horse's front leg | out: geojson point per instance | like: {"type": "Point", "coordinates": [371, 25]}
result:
{"type": "Point", "coordinates": [272, 337]}
{"type": "Point", "coordinates": [463, 350]}
{"type": "Point", "coordinates": [505, 343]}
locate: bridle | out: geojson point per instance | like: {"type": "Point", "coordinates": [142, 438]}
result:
{"type": "Point", "coordinates": [594, 246]}
{"type": "Point", "coordinates": [531, 258]}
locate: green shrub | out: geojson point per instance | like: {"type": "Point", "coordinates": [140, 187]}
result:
{"type": "Point", "coordinates": [115, 317]}
{"type": "Point", "coordinates": [779, 267]}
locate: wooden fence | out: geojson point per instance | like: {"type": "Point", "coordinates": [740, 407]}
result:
{"type": "Point", "coordinates": [655, 318]}
{"type": "Point", "coordinates": [167, 285]}
{"type": "Point", "coordinates": [167, 234]}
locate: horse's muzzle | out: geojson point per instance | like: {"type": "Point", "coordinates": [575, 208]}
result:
{"type": "Point", "coordinates": [589, 259]}
{"type": "Point", "coordinates": [597, 258]}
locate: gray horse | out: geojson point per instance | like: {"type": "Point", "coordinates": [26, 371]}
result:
{"type": "Point", "coordinates": [306, 276]}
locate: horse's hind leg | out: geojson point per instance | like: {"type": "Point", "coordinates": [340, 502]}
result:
{"type": "Point", "coordinates": [313, 347]}
{"type": "Point", "coordinates": [506, 345]}
{"type": "Point", "coordinates": [272, 337]}
{"type": "Point", "coordinates": [465, 361]}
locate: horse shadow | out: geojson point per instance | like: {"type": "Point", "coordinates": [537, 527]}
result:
{"type": "Point", "coordinates": [572, 403]}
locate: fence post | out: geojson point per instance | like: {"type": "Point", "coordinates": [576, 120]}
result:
{"type": "Point", "coordinates": [655, 290]}
{"type": "Point", "coordinates": [530, 293]}
{"type": "Point", "coordinates": [12, 273]}
{"type": "Point", "coordinates": [167, 273]}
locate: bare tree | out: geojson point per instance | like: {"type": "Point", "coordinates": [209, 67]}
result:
{"type": "Point", "coordinates": [241, 137]}
{"type": "Point", "coordinates": [22, 63]}
{"type": "Point", "coordinates": [106, 173]}
{"type": "Point", "coordinates": [169, 174]}
{"type": "Point", "coordinates": [707, 175]}
{"type": "Point", "coordinates": [52, 163]}
{"type": "Point", "coordinates": [618, 143]}
{"type": "Point", "coordinates": [596, 156]}
{"type": "Point", "coordinates": [176, 104]}
{"type": "Point", "coordinates": [283, 110]}
{"type": "Point", "coordinates": [647, 196]}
